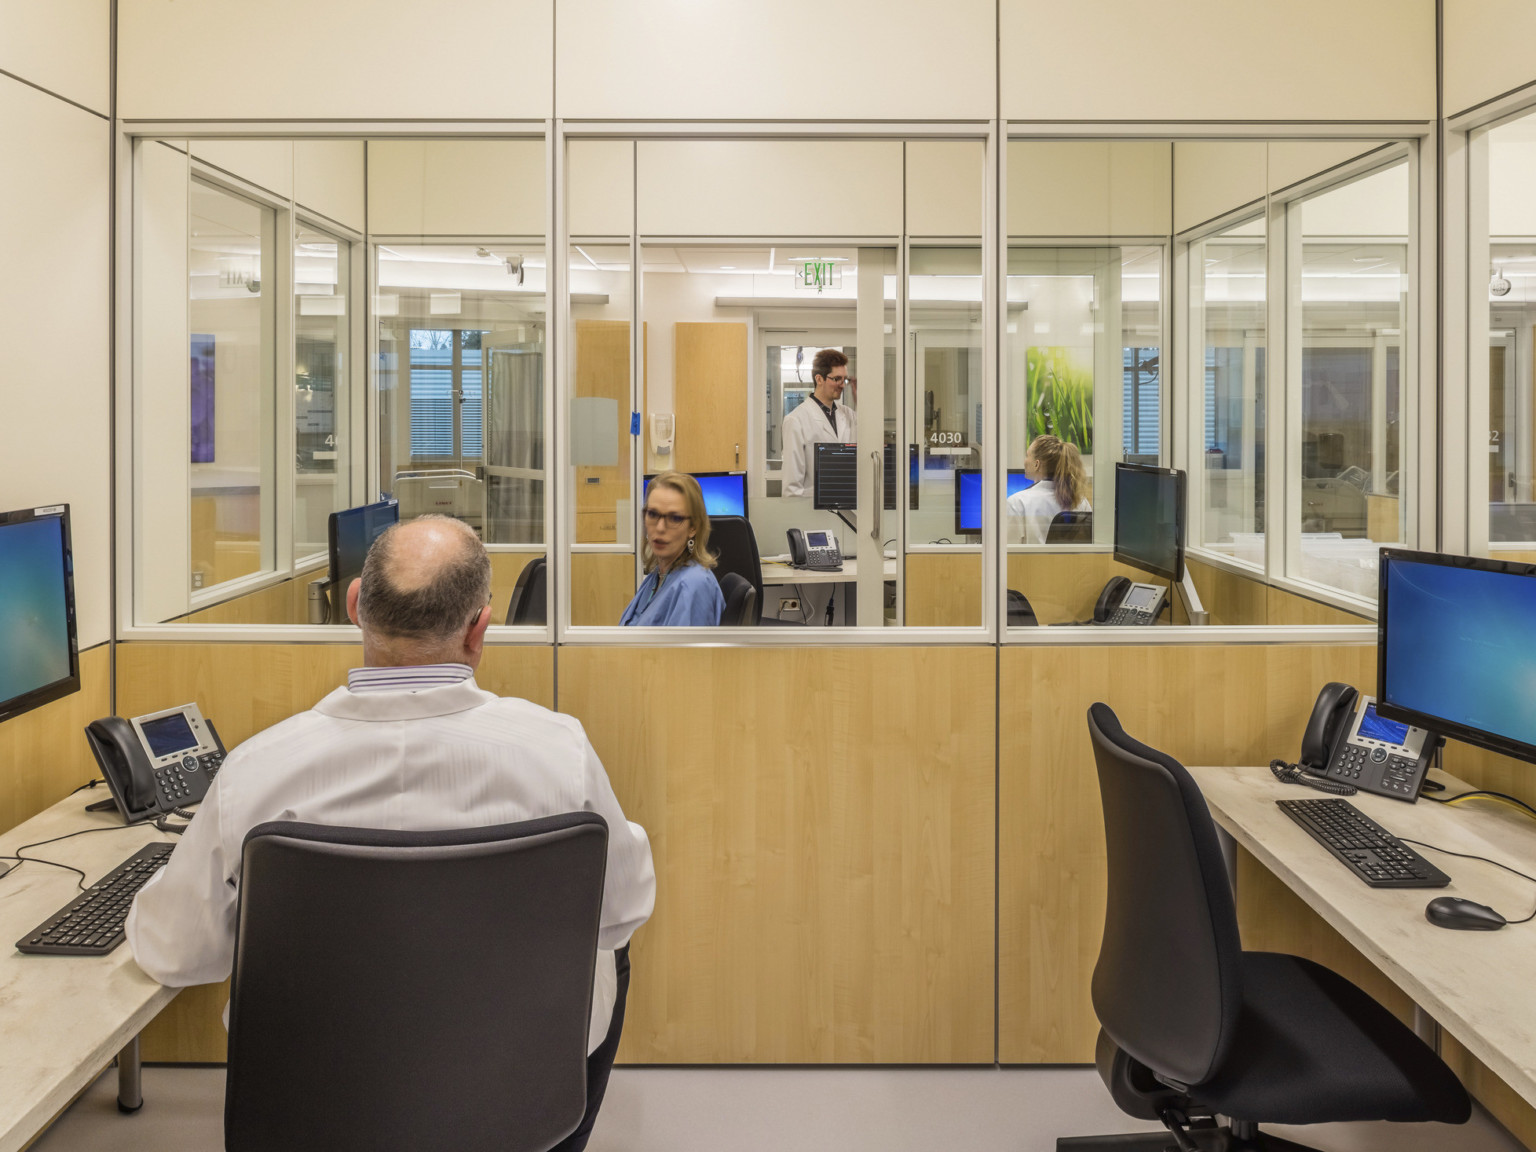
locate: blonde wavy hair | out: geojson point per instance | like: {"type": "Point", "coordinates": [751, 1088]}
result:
{"type": "Point", "coordinates": [1061, 463]}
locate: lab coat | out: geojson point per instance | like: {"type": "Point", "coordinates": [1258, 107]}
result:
{"type": "Point", "coordinates": [1031, 511]}
{"type": "Point", "coordinates": [436, 758]}
{"type": "Point", "coordinates": [807, 426]}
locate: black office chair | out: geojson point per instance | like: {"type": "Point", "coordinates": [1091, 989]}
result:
{"type": "Point", "coordinates": [409, 990]}
{"type": "Point", "coordinates": [1193, 1026]}
{"type": "Point", "coordinates": [735, 549]}
{"type": "Point", "coordinates": [1070, 528]}
{"type": "Point", "coordinates": [1020, 614]}
{"type": "Point", "coordinates": [740, 601]}
{"type": "Point", "coordinates": [528, 596]}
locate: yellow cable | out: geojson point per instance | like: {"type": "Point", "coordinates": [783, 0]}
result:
{"type": "Point", "coordinates": [1495, 799]}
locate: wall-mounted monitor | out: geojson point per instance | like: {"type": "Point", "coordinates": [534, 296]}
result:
{"type": "Point", "coordinates": [351, 533]}
{"type": "Point", "coordinates": [968, 495]}
{"type": "Point", "coordinates": [725, 493]}
{"type": "Point", "coordinates": [835, 487]}
{"type": "Point", "coordinates": [39, 660]}
{"type": "Point", "coordinates": [1149, 519]}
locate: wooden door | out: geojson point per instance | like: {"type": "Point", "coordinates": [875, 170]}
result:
{"type": "Point", "coordinates": [709, 397]}
{"type": "Point", "coordinates": [602, 369]}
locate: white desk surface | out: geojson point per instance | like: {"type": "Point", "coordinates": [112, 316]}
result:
{"type": "Point", "coordinates": [63, 1018]}
{"type": "Point", "coordinates": [1476, 985]}
{"type": "Point", "coordinates": [775, 572]}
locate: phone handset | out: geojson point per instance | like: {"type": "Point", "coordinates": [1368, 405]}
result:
{"type": "Point", "coordinates": [814, 549]}
{"type": "Point", "coordinates": [157, 763]}
{"type": "Point", "coordinates": [1352, 747]}
{"type": "Point", "coordinates": [1330, 715]}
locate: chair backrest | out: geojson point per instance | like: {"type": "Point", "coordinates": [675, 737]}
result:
{"type": "Point", "coordinates": [1070, 528]}
{"type": "Point", "coordinates": [1020, 614]}
{"type": "Point", "coordinates": [735, 549]}
{"type": "Point", "coordinates": [1167, 986]}
{"type": "Point", "coordinates": [528, 599]}
{"type": "Point", "coordinates": [406, 990]}
{"type": "Point", "coordinates": [740, 601]}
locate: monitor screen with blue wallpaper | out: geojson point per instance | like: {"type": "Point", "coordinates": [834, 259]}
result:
{"type": "Point", "coordinates": [968, 495]}
{"type": "Point", "coordinates": [1457, 648]}
{"type": "Point", "coordinates": [37, 609]}
{"type": "Point", "coordinates": [725, 493]}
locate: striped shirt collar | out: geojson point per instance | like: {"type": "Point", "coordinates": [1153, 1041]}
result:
{"type": "Point", "coordinates": [407, 678]}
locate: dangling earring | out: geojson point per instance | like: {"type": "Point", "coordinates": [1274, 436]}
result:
{"type": "Point", "coordinates": [690, 544]}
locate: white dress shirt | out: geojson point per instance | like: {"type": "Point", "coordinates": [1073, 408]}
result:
{"type": "Point", "coordinates": [385, 756]}
{"type": "Point", "coordinates": [806, 427]}
{"type": "Point", "coordinates": [1031, 511]}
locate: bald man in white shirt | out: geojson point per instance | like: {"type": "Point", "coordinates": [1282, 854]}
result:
{"type": "Point", "coordinates": [410, 743]}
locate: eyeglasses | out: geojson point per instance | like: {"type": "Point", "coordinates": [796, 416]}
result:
{"type": "Point", "coordinates": [676, 519]}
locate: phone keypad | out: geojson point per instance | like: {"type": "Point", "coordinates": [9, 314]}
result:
{"type": "Point", "coordinates": [1351, 760]}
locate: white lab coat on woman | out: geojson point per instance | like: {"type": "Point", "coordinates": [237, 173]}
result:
{"type": "Point", "coordinates": [1031, 511]}
{"type": "Point", "coordinates": [806, 427]}
{"type": "Point", "coordinates": [451, 756]}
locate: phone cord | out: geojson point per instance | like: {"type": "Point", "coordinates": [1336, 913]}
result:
{"type": "Point", "coordinates": [1288, 773]}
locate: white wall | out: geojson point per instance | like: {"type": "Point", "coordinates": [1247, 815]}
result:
{"type": "Point", "coordinates": [54, 209]}
{"type": "Point", "coordinates": [790, 59]}
{"type": "Point", "coordinates": [341, 59]}
{"type": "Point", "coordinates": [1218, 60]}
{"type": "Point", "coordinates": [945, 189]}
{"type": "Point", "coordinates": [1214, 177]}
{"type": "Point", "coordinates": [62, 46]}
{"type": "Point", "coordinates": [1089, 188]}
{"type": "Point", "coordinates": [456, 187]}
{"type": "Point", "coordinates": [1511, 176]}
{"type": "Point", "coordinates": [1487, 50]}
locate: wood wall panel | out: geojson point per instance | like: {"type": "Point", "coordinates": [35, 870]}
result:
{"type": "Point", "coordinates": [243, 689]}
{"type": "Point", "coordinates": [602, 369]}
{"type": "Point", "coordinates": [506, 567]}
{"type": "Point", "coordinates": [283, 603]}
{"type": "Point", "coordinates": [1064, 586]}
{"type": "Point", "coordinates": [944, 590]}
{"type": "Point", "coordinates": [1383, 521]}
{"type": "Point", "coordinates": [709, 397]}
{"type": "Point", "coordinates": [1233, 598]}
{"type": "Point", "coordinates": [602, 585]}
{"type": "Point", "coordinates": [1203, 705]}
{"type": "Point", "coordinates": [43, 753]}
{"type": "Point", "coordinates": [822, 823]}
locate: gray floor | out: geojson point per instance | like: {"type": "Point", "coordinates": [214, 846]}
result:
{"type": "Point", "coordinates": [763, 1109]}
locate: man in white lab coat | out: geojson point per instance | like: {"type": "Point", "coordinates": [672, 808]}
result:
{"type": "Point", "coordinates": [821, 419]}
{"type": "Point", "coordinates": [410, 743]}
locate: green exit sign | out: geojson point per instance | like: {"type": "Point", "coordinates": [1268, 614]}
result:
{"type": "Point", "coordinates": [820, 275]}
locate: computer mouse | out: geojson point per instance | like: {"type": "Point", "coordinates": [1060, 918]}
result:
{"type": "Point", "coordinates": [1454, 912]}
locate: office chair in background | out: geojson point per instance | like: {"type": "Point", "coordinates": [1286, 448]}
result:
{"type": "Point", "coordinates": [740, 601]}
{"type": "Point", "coordinates": [1070, 528]}
{"type": "Point", "coordinates": [528, 594]}
{"type": "Point", "coordinates": [1020, 614]}
{"type": "Point", "coordinates": [409, 990]}
{"type": "Point", "coordinates": [1191, 1025]}
{"type": "Point", "coordinates": [735, 549]}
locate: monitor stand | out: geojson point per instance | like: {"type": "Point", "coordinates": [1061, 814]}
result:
{"type": "Point", "coordinates": [1192, 606]}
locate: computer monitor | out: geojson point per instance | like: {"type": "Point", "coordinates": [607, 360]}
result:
{"type": "Point", "coordinates": [1149, 519]}
{"type": "Point", "coordinates": [39, 660]}
{"type": "Point", "coordinates": [725, 493]}
{"type": "Point", "coordinates": [968, 495]}
{"type": "Point", "coordinates": [835, 485]}
{"type": "Point", "coordinates": [351, 533]}
{"type": "Point", "coordinates": [1456, 648]}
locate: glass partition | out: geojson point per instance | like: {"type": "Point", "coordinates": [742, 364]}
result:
{"type": "Point", "coordinates": [322, 399]}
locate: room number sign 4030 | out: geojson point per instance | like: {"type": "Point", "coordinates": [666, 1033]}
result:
{"type": "Point", "coordinates": [947, 439]}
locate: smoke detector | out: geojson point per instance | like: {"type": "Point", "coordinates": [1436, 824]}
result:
{"type": "Point", "coordinates": [1498, 286]}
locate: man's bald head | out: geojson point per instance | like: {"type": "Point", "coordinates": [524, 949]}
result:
{"type": "Point", "coordinates": [424, 581]}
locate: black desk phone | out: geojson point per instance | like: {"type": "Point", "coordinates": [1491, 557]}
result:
{"type": "Point", "coordinates": [1346, 741]}
{"type": "Point", "coordinates": [1123, 602]}
{"type": "Point", "coordinates": [814, 549]}
{"type": "Point", "coordinates": [156, 763]}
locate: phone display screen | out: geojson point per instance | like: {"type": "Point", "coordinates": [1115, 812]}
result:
{"type": "Point", "coordinates": [1141, 597]}
{"type": "Point", "coordinates": [168, 734]}
{"type": "Point", "coordinates": [816, 539]}
{"type": "Point", "coordinates": [1374, 727]}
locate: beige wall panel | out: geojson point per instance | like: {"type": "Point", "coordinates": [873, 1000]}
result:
{"type": "Point", "coordinates": [822, 824]}
{"type": "Point", "coordinates": [1487, 50]}
{"type": "Point", "coordinates": [161, 386]}
{"type": "Point", "coordinates": [1511, 175]}
{"type": "Point", "coordinates": [244, 689]}
{"type": "Point", "coordinates": [769, 187]}
{"type": "Point", "coordinates": [945, 187]}
{"type": "Point", "coordinates": [795, 59]}
{"type": "Point", "coordinates": [600, 187]}
{"type": "Point", "coordinates": [943, 590]}
{"type": "Point", "coordinates": [1291, 161]}
{"type": "Point", "coordinates": [456, 187]}
{"type": "Point", "coordinates": [401, 60]}
{"type": "Point", "coordinates": [265, 163]}
{"type": "Point", "coordinates": [43, 753]}
{"type": "Point", "coordinates": [1375, 205]}
{"type": "Point", "coordinates": [328, 179]}
{"type": "Point", "coordinates": [602, 585]}
{"type": "Point", "coordinates": [1089, 188]}
{"type": "Point", "coordinates": [1375, 62]}
{"type": "Point", "coordinates": [1212, 177]}
{"type": "Point", "coordinates": [53, 324]}
{"type": "Point", "coordinates": [1202, 705]}
{"type": "Point", "coordinates": [64, 46]}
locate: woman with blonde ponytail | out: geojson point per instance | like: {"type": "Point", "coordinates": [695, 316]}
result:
{"type": "Point", "coordinates": [1060, 483]}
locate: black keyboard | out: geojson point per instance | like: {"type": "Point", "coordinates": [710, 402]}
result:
{"type": "Point", "coordinates": [1366, 848]}
{"type": "Point", "coordinates": [92, 923]}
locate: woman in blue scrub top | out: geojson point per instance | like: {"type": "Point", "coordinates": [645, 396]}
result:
{"type": "Point", "coordinates": [679, 589]}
